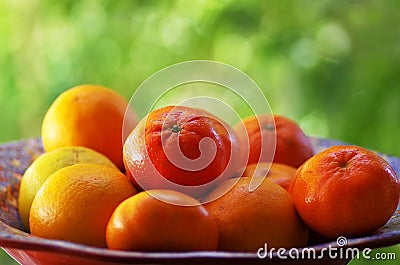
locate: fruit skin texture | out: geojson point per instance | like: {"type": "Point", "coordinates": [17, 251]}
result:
{"type": "Point", "coordinates": [48, 163]}
{"type": "Point", "coordinates": [76, 202]}
{"type": "Point", "coordinates": [176, 134]}
{"type": "Point", "coordinates": [248, 219]}
{"type": "Point", "coordinates": [90, 116]}
{"type": "Point", "coordinates": [278, 173]}
{"type": "Point", "coordinates": [345, 191]}
{"type": "Point", "coordinates": [292, 145]}
{"type": "Point", "coordinates": [145, 223]}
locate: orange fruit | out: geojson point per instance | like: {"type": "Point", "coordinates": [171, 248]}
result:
{"type": "Point", "coordinates": [260, 133]}
{"type": "Point", "coordinates": [145, 223]}
{"type": "Point", "coordinates": [345, 191]}
{"type": "Point", "coordinates": [91, 116]}
{"type": "Point", "coordinates": [76, 202]}
{"type": "Point", "coordinates": [45, 165]}
{"type": "Point", "coordinates": [278, 173]}
{"type": "Point", "coordinates": [248, 219]}
{"type": "Point", "coordinates": [180, 148]}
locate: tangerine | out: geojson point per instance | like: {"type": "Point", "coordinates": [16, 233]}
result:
{"type": "Point", "coordinates": [278, 173]}
{"type": "Point", "coordinates": [180, 148]}
{"type": "Point", "coordinates": [345, 191]}
{"type": "Point", "coordinates": [259, 134]}
{"type": "Point", "coordinates": [146, 223]}
{"type": "Point", "coordinates": [247, 219]}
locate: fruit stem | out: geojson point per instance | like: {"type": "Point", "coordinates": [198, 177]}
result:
{"type": "Point", "coordinates": [269, 127]}
{"type": "Point", "coordinates": [176, 128]}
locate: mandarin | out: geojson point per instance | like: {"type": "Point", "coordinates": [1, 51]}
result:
{"type": "Point", "coordinates": [180, 148]}
{"type": "Point", "coordinates": [278, 173]}
{"type": "Point", "coordinates": [345, 191]}
{"type": "Point", "coordinates": [248, 219]}
{"type": "Point", "coordinates": [161, 220]}
{"type": "Point", "coordinates": [262, 134]}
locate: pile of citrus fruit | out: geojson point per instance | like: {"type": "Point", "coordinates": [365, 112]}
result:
{"type": "Point", "coordinates": [185, 180]}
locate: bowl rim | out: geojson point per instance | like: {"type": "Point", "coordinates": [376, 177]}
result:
{"type": "Point", "coordinates": [30, 242]}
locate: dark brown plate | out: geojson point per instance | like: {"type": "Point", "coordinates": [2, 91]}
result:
{"type": "Point", "coordinates": [15, 157]}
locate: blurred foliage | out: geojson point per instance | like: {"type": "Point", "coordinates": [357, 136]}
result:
{"type": "Point", "coordinates": [333, 66]}
{"type": "Point", "coordinates": [330, 65]}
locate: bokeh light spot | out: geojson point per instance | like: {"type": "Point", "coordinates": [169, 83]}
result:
{"type": "Point", "coordinates": [333, 41]}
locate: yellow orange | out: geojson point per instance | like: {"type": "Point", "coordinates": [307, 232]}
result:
{"type": "Point", "coordinates": [90, 116]}
{"type": "Point", "coordinates": [76, 202]}
{"type": "Point", "coordinates": [48, 163]}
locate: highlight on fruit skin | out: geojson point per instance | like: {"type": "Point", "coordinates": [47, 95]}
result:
{"type": "Point", "coordinates": [143, 222]}
{"type": "Point", "coordinates": [181, 148]}
{"type": "Point", "coordinates": [345, 191]}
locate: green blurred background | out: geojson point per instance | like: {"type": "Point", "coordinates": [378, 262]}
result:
{"type": "Point", "coordinates": [332, 66]}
